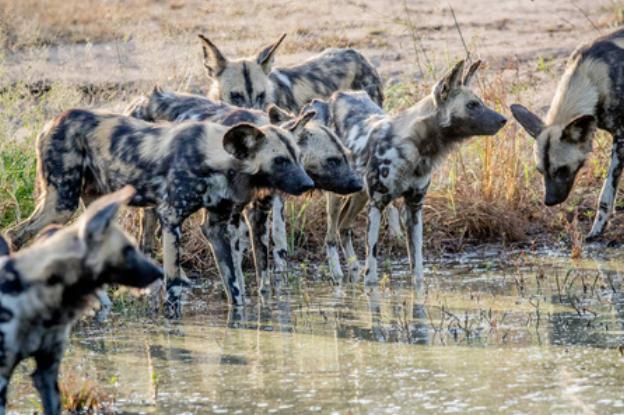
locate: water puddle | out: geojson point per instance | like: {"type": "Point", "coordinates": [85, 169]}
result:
{"type": "Point", "coordinates": [517, 334]}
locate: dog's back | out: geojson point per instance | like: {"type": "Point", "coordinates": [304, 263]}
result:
{"type": "Point", "coordinates": [322, 75]}
{"type": "Point", "coordinates": [163, 105]}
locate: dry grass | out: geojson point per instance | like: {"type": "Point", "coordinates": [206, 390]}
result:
{"type": "Point", "coordinates": [79, 396]}
{"type": "Point", "coordinates": [487, 191]}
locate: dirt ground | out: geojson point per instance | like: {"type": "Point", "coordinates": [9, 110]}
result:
{"type": "Point", "coordinates": [142, 42]}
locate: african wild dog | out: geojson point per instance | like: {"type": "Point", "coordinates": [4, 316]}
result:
{"type": "Point", "coordinates": [396, 155]}
{"type": "Point", "coordinates": [254, 83]}
{"type": "Point", "coordinates": [45, 288]}
{"type": "Point", "coordinates": [323, 156]}
{"type": "Point", "coordinates": [590, 94]}
{"type": "Point", "coordinates": [176, 168]}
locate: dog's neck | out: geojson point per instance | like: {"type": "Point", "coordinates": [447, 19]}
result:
{"type": "Point", "coordinates": [421, 125]}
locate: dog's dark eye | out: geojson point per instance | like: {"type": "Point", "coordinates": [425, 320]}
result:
{"type": "Point", "coordinates": [473, 105]}
{"type": "Point", "coordinates": [237, 99]}
{"type": "Point", "coordinates": [281, 161]}
{"type": "Point", "coordinates": [333, 162]}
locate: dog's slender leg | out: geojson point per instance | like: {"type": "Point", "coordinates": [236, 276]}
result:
{"type": "Point", "coordinates": [394, 221]}
{"type": "Point", "coordinates": [174, 281]}
{"type": "Point", "coordinates": [149, 227]}
{"type": "Point", "coordinates": [280, 244]}
{"type": "Point", "coordinates": [235, 231]}
{"type": "Point", "coordinates": [45, 378]}
{"type": "Point", "coordinates": [105, 305]}
{"type": "Point", "coordinates": [609, 188]}
{"type": "Point", "coordinates": [331, 237]}
{"type": "Point", "coordinates": [259, 224]}
{"type": "Point", "coordinates": [414, 225]}
{"type": "Point", "coordinates": [349, 212]}
{"type": "Point", "coordinates": [374, 223]}
{"type": "Point", "coordinates": [216, 231]}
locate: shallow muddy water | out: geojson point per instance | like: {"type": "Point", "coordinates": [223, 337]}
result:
{"type": "Point", "coordinates": [514, 334]}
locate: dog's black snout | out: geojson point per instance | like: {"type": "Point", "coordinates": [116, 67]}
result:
{"type": "Point", "coordinates": [502, 121]}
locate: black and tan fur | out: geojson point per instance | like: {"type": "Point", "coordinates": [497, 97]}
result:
{"type": "Point", "coordinates": [254, 83]}
{"type": "Point", "coordinates": [590, 94]}
{"type": "Point", "coordinates": [175, 168]}
{"type": "Point", "coordinates": [323, 157]}
{"type": "Point", "coordinates": [46, 287]}
{"type": "Point", "coordinates": [396, 155]}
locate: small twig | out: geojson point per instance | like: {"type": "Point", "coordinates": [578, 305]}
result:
{"type": "Point", "coordinates": [461, 36]}
{"type": "Point", "coordinates": [587, 17]}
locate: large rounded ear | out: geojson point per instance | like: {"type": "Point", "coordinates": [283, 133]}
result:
{"type": "Point", "coordinates": [580, 129]}
{"type": "Point", "coordinates": [299, 123]}
{"type": "Point", "coordinates": [265, 56]}
{"type": "Point", "coordinates": [214, 61]}
{"type": "Point", "coordinates": [531, 123]}
{"type": "Point", "coordinates": [243, 140]}
{"type": "Point", "coordinates": [471, 73]}
{"type": "Point", "coordinates": [278, 115]}
{"type": "Point", "coordinates": [4, 247]}
{"type": "Point", "coordinates": [100, 214]}
{"type": "Point", "coordinates": [451, 81]}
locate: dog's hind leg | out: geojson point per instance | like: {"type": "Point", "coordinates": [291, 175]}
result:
{"type": "Point", "coordinates": [149, 228]}
{"type": "Point", "coordinates": [45, 377]}
{"type": "Point", "coordinates": [259, 224]}
{"type": "Point", "coordinates": [331, 237]}
{"type": "Point", "coordinates": [52, 208]}
{"type": "Point", "coordinates": [347, 219]}
{"type": "Point", "coordinates": [394, 221]}
{"type": "Point", "coordinates": [215, 228]}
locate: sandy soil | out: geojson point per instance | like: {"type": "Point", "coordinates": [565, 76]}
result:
{"type": "Point", "coordinates": [154, 41]}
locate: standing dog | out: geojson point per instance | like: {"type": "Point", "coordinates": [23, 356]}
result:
{"type": "Point", "coordinates": [590, 94]}
{"type": "Point", "coordinates": [44, 289]}
{"type": "Point", "coordinates": [254, 83]}
{"type": "Point", "coordinates": [323, 156]}
{"type": "Point", "coordinates": [177, 169]}
{"type": "Point", "coordinates": [396, 155]}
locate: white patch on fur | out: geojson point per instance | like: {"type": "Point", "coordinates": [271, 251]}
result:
{"type": "Point", "coordinates": [579, 90]}
{"type": "Point", "coordinates": [283, 78]}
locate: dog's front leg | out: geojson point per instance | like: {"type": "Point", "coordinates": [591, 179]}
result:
{"type": "Point", "coordinates": [609, 189]}
{"type": "Point", "coordinates": [45, 379]}
{"type": "Point", "coordinates": [331, 237]}
{"type": "Point", "coordinates": [215, 229]}
{"type": "Point", "coordinates": [259, 224]}
{"type": "Point", "coordinates": [280, 244]}
{"type": "Point", "coordinates": [414, 224]}
{"type": "Point", "coordinates": [375, 208]}
{"type": "Point", "coordinates": [171, 263]}
{"type": "Point", "coordinates": [236, 229]}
